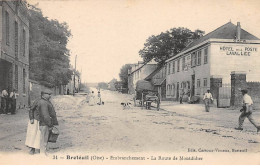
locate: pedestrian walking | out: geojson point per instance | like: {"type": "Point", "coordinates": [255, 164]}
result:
{"type": "Point", "coordinates": [45, 117]}
{"type": "Point", "coordinates": [12, 98]}
{"type": "Point", "coordinates": [92, 99]}
{"type": "Point", "coordinates": [207, 99]}
{"type": "Point", "coordinates": [99, 98]}
{"type": "Point", "coordinates": [4, 97]}
{"type": "Point", "coordinates": [247, 110]}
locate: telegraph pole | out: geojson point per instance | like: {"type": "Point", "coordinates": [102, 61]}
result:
{"type": "Point", "coordinates": [74, 75]}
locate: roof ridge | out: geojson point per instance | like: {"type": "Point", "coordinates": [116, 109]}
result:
{"type": "Point", "coordinates": [211, 32]}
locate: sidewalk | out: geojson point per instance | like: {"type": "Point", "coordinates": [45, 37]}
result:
{"type": "Point", "coordinates": [220, 117]}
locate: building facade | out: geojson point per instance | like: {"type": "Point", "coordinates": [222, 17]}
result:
{"type": "Point", "coordinates": [214, 56]}
{"type": "Point", "coordinates": [139, 71]}
{"type": "Point", "coordinates": [14, 45]}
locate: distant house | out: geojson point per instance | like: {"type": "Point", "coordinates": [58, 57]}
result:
{"type": "Point", "coordinates": [139, 71]}
{"type": "Point", "coordinates": [158, 79]}
{"type": "Point", "coordinates": [119, 85]}
{"type": "Point", "coordinates": [70, 86]}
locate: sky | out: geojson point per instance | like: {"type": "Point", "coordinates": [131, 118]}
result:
{"type": "Point", "coordinates": [109, 33]}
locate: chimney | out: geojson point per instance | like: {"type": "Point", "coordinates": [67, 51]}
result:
{"type": "Point", "coordinates": [238, 31]}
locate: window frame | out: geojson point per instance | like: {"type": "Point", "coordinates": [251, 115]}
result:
{"type": "Point", "coordinates": [7, 28]}
{"type": "Point", "coordinates": [205, 82]}
{"type": "Point", "coordinates": [206, 55]}
{"type": "Point", "coordinates": [199, 58]}
{"type": "Point", "coordinates": [178, 65]}
{"type": "Point", "coordinates": [198, 83]}
{"type": "Point", "coordinates": [183, 63]}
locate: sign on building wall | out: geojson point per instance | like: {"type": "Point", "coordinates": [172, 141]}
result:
{"type": "Point", "coordinates": [237, 50]}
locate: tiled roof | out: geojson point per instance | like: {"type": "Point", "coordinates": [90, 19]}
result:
{"type": "Point", "coordinates": [227, 31]}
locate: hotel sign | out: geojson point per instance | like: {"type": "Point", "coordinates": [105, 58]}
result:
{"type": "Point", "coordinates": [238, 50]}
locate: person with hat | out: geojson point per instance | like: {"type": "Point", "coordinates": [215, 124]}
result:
{"type": "Point", "coordinates": [43, 111]}
{"type": "Point", "coordinates": [4, 97]}
{"type": "Point", "coordinates": [207, 98]}
{"type": "Point", "coordinates": [246, 110]}
{"type": "Point", "coordinates": [13, 97]}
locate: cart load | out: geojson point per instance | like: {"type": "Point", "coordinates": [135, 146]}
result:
{"type": "Point", "coordinates": [146, 94]}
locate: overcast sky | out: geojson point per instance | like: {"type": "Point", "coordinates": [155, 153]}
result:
{"type": "Point", "coordinates": [109, 33]}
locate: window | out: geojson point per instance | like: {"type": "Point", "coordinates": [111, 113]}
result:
{"type": "Point", "coordinates": [199, 58]}
{"type": "Point", "coordinates": [173, 67]}
{"type": "Point", "coordinates": [205, 82]}
{"type": "Point", "coordinates": [16, 39]}
{"type": "Point", "coordinates": [198, 83]}
{"type": "Point", "coordinates": [23, 42]}
{"type": "Point", "coordinates": [168, 89]}
{"type": "Point", "coordinates": [7, 28]}
{"type": "Point", "coordinates": [178, 65]}
{"type": "Point", "coordinates": [16, 77]}
{"type": "Point", "coordinates": [173, 90]}
{"type": "Point", "coordinates": [24, 76]}
{"type": "Point", "coordinates": [193, 59]}
{"type": "Point", "coordinates": [165, 70]}
{"type": "Point", "coordinates": [205, 55]}
{"type": "Point", "coordinates": [183, 63]}
{"type": "Point", "coordinates": [169, 68]}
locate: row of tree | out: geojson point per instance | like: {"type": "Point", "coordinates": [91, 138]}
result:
{"type": "Point", "coordinates": [162, 47]}
{"type": "Point", "coordinates": [48, 53]}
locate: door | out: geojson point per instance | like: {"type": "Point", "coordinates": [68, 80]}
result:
{"type": "Point", "coordinates": [192, 85]}
{"type": "Point", "coordinates": [177, 93]}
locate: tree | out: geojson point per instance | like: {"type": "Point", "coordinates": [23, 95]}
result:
{"type": "Point", "coordinates": [166, 44]}
{"type": "Point", "coordinates": [102, 85]}
{"type": "Point", "coordinates": [48, 54]}
{"type": "Point", "coordinates": [124, 74]}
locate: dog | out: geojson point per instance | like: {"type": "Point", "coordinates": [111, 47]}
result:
{"type": "Point", "coordinates": [126, 105]}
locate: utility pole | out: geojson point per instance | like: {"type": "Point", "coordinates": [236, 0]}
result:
{"type": "Point", "coordinates": [75, 75]}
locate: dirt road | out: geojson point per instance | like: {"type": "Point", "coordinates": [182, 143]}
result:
{"type": "Point", "coordinates": [110, 129]}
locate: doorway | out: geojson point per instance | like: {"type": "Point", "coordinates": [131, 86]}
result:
{"type": "Point", "coordinates": [192, 85]}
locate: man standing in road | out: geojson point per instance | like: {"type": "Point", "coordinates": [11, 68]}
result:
{"type": "Point", "coordinates": [207, 99]}
{"type": "Point", "coordinates": [4, 97]}
{"type": "Point", "coordinates": [47, 118]}
{"type": "Point", "coordinates": [246, 111]}
{"type": "Point", "coordinates": [13, 97]}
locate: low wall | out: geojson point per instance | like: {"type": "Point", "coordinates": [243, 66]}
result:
{"type": "Point", "coordinates": [36, 88]}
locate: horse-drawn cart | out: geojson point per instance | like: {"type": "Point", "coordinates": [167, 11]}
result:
{"type": "Point", "coordinates": [146, 95]}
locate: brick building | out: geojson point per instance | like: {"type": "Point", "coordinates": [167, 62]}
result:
{"type": "Point", "coordinates": [14, 46]}
{"type": "Point", "coordinates": [209, 61]}
{"type": "Point", "coordinates": [139, 71]}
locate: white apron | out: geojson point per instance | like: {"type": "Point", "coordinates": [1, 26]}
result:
{"type": "Point", "coordinates": [33, 136]}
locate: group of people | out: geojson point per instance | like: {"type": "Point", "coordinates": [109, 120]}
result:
{"type": "Point", "coordinates": [246, 111]}
{"type": "Point", "coordinates": [92, 99]}
{"type": "Point", "coordinates": [8, 101]}
{"type": "Point", "coordinates": [42, 118]}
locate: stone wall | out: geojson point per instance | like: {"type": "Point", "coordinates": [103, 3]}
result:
{"type": "Point", "coordinates": [36, 88]}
